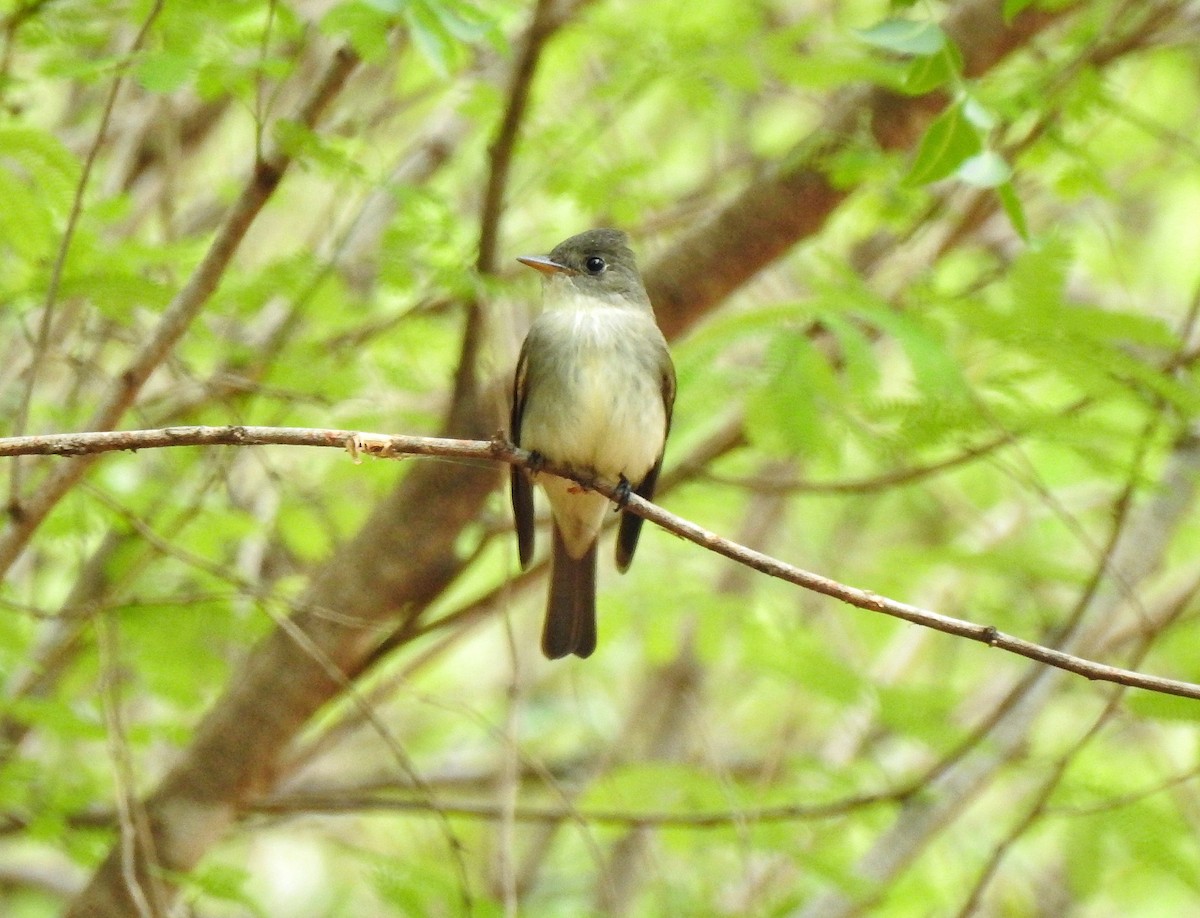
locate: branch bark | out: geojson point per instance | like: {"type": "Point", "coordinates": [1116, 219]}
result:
{"type": "Point", "coordinates": [499, 450]}
{"type": "Point", "coordinates": [793, 202]}
{"type": "Point", "coordinates": [1139, 551]}
{"type": "Point", "coordinates": [408, 551]}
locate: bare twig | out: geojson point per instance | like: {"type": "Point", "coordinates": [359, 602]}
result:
{"type": "Point", "coordinates": [1142, 540]}
{"type": "Point", "coordinates": [1040, 803]}
{"type": "Point", "coordinates": [498, 450]}
{"type": "Point", "coordinates": [541, 27]}
{"type": "Point", "coordinates": [781, 484]}
{"type": "Point", "coordinates": [136, 841]}
{"type": "Point", "coordinates": [268, 172]}
{"type": "Point", "coordinates": [42, 342]}
{"type": "Point", "coordinates": [301, 804]}
{"type": "Point", "coordinates": [10, 25]}
{"type": "Point", "coordinates": [82, 444]}
{"type": "Point", "coordinates": [792, 202]}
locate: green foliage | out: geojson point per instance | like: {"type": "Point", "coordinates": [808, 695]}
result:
{"type": "Point", "coordinates": [785, 416]}
{"type": "Point", "coordinates": [905, 36]}
{"type": "Point", "coordinates": [37, 180]}
{"type": "Point", "coordinates": [223, 884]}
{"type": "Point", "coordinates": [951, 140]}
{"type": "Point", "coordinates": [955, 389]}
{"type": "Point", "coordinates": [364, 25]}
{"type": "Point", "coordinates": [1013, 7]}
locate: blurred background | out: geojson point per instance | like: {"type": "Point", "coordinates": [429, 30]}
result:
{"type": "Point", "coordinates": [931, 274]}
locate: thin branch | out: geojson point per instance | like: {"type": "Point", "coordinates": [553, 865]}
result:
{"type": "Point", "coordinates": [865, 599]}
{"type": "Point", "coordinates": [136, 840]}
{"type": "Point", "coordinates": [1143, 537]}
{"type": "Point", "coordinates": [10, 25]}
{"type": "Point", "coordinates": [794, 200]}
{"type": "Point", "coordinates": [186, 305]}
{"type": "Point", "coordinates": [1040, 803]}
{"type": "Point", "coordinates": [778, 484]}
{"type": "Point", "coordinates": [498, 450]}
{"type": "Point", "coordinates": [385, 445]}
{"type": "Point", "coordinates": [500, 152]}
{"type": "Point", "coordinates": [333, 802]}
{"type": "Point", "coordinates": [42, 343]}
{"type": "Point", "coordinates": [301, 804]}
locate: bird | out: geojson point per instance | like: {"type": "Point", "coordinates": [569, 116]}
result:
{"type": "Point", "coordinates": [593, 393]}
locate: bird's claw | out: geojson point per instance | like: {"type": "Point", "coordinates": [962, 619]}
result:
{"type": "Point", "coordinates": [622, 492]}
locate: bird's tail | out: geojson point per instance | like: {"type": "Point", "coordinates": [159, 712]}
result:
{"type": "Point", "coordinates": [571, 610]}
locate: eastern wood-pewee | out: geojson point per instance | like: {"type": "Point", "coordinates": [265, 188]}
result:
{"type": "Point", "coordinates": [593, 392]}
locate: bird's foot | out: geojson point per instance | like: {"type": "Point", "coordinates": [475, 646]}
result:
{"type": "Point", "coordinates": [622, 492]}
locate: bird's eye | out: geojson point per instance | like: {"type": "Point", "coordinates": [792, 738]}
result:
{"type": "Point", "coordinates": [595, 264]}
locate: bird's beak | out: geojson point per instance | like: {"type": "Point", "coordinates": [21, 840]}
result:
{"type": "Point", "coordinates": [544, 264]}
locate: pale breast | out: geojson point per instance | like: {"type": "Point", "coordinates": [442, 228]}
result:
{"type": "Point", "coordinates": [594, 391]}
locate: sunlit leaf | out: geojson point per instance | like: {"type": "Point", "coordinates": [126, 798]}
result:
{"type": "Point", "coordinates": [165, 71]}
{"type": "Point", "coordinates": [428, 25]}
{"type": "Point", "coordinates": [1013, 7]}
{"type": "Point", "coordinates": [928, 72]}
{"type": "Point", "coordinates": [364, 25]}
{"type": "Point", "coordinates": [952, 395]}
{"type": "Point", "coordinates": [1164, 707]}
{"type": "Point", "coordinates": [985, 170]}
{"type": "Point", "coordinates": [905, 36]}
{"type": "Point", "coordinates": [25, 223]}
{"type": "Point", "coordinates": [1013, 209]}
{"type": "Point", "coordinates": [786, 415]}
{"type": "Point", "coordinates": [949, 141]}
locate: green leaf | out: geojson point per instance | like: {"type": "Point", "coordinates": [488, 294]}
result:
{"type": "Point", "coordinates": [836, 66]}
{"type": "Point", "coordinates": [927, 72]}
{"type": "Point", "coordinates": [710, 339]}
{"type": "Point", "coordinates": [1014, 209]}
{"type": "Point", "coordinates": [469, 22]}
{"type": "Point", "coordinates": [985, 170]}
{"type": "Point", "coordinates": [53, 716]}
{"type": "Point", "coordinates": [949, 141]}
{"type": "Point", "coordinates": [25, 224]}
{"type": "Point", "coordinates": [1182, 396]}
{"type": "Point", "coordinates": [1037, 276]}
{"type": "Point", "coordinates": [225, 883]}
{"type": "Point", "coordinates": [668, 784]}
{"type": "Point", "coordinates": [1115, 327]}
{"type": "Point", "coordinates": [925, 712]}
{"type": "Point", "coordinates": [41, 161]}
{"type": "Point", "coordinates": [786, 416]}
{"type": "Point", "coordinates": [935, 370]}
{"type": "Point", "coordinates": [305, 144]}
{"type": "Point", "coordinates": [1157, 834]}
{"type": "Point", "coordinates": [976, 113]}
{"type": "Point", "coordinates": [364, 25]}
{"type": "Point", "coordinates": [1088, 852]}
{"type": "Point", "coordinates": [1013, 7]}
{"type": "Point", "coordinates": [165, 71]}
{"type": "Point", "coordinates": [905, 36]}
{"type": "Point", "coordinates": [427, 25]}
{"type": "Point", "coordinates": [860, 363]}
{"type": "Point", "coordinates": [802, 658]}
{"type": "Point", "coordinates": [1164, 707]}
